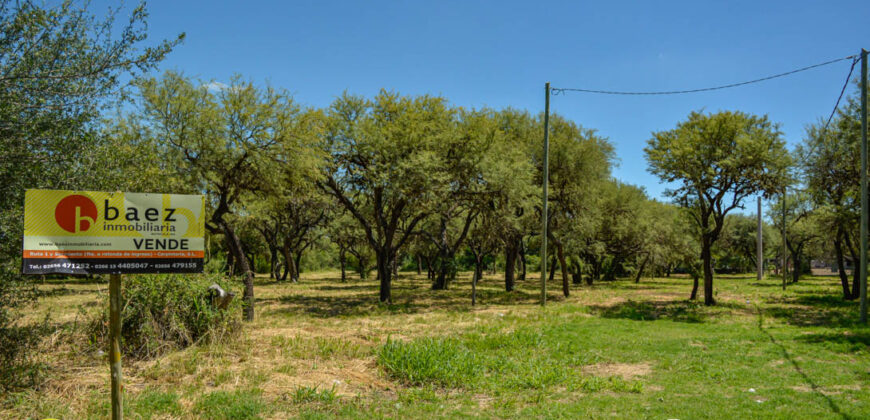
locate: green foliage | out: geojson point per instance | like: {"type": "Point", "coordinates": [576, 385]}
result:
{"type": "Point", "coordinates": [60, 66]}
{"type": "Point", "coordinates": [168, 312]}
{"type": "Point", "coordinates": [20, 342]}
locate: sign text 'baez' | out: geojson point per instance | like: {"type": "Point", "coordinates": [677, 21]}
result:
{"type": "Point", "coordinates": [85, 232]}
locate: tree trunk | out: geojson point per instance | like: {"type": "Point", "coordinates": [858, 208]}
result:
{"type": "Point", "coordinates": [385, 272]}
{"type": "Point", "coordinates": [235, 246]}
{"type": "Point", "coordinates": [231, 263]}
{"type": "Point", "coordinates": [552, 275]}
{"type": "Point", "coordinates": [856, 268]}
{"type": "Point", "coordinates": [445, 259]}
{"type": "Point", "coordinates": [640, 269]}
{"type": "Point", "coordinates": [273, 262]}
{"type": "Point", "coordinates": [565, 281]}
{"type": "Point", "coordinates": [297, 267]}
{"type": "Point", "coordinates": [288, 263]}
{"type": "Point", "coordinates": [522, 256]}
{"type": "Point", "coordinates": [474, 278]}
{"type": "Point", "coordinates": [341, 262]}
{"type": "Point", "coordinates": [291, 265]}
{"type": "Point", "coordinates": [510, 258]}
{"type": "Point", "coordinates": [478, 267]}
{"type": "Point", "coordinates": [419, 265]}
{"type": "Point", "coordinates": [707, 258]}
{"type": "Point", "coordinates": [796, 272]}
{"type": "Point", "coordinates": [841, 267]}
{"type": "Point", "coordinates": [694, 286]}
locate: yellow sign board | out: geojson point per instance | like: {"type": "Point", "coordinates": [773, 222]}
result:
{"type": "Point", "coordinates": [86, 232]}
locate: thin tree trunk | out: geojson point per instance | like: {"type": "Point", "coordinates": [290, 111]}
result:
{"type": "Point", "coordinates": [474, 283]}
{"type": "Point", "coordinates": [707, 259]}
{"type": "Point", "coordinates": [341, 262]}
{"type": "Point", "coordinates": [291, 264]}
{"type": "Point", "coordinates": [552, 275]}
{"type": "Point", "coordinates": [509, 265]}
{"type": "Point", "coordinates": [288, 263]}
{"type": "Point", "coordinates": [273, 262]}
{"type": "Point", "coordinates": [856, 267]}
{"type": "Point", "coordinates": [385, 275]}
{"type": "Point", "coordinates": [640, 269]}
{"type": "Point", "coordinates": [444, 261]}
{"type": "Point", "coordinates": [841, 267]}
{"type": "Point", "coordinates": [419, 265]}
{"type": "Point", "coordinates": [523, 260]}
{"type": "Point", "coordinates": [565, 281]}
{"type": "Point", "coordinates": [796, 272]}
{"type": "Point", "coordinates": [235, 245]}
{"type": "Point", "coordinates": [297, 267]}
{"type": "Point", "coordinates": [694, 286]}
{"type": "Point", "coordinates": [231, 264]}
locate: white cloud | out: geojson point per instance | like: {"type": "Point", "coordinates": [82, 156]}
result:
{"type": "Point", "coordinates": [214, 86]}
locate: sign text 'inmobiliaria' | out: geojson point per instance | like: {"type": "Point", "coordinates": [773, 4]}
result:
{"type": "Point", "coordinates": [85, 232]}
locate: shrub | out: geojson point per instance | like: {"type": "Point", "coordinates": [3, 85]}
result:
{"type": "Point", "coordinates": [167, 312]}
{"type": "Point", "coordinates": [19, 342]}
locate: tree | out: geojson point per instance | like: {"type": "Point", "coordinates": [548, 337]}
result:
{"type": "Point", "coordinates": [60, 67]}
{"type": "Point", "coordinates": [830, 166]}
{"type": "Point", "coordinates": [384, 167]}
{"type": "Point", "coordinates": [579, 161]}
{"type": "Point", "coordinates": [801, 227]}
{"type": "Point", "coordinates": [466, 193]}
{"type": "Point", "coordinates": [717, 160]}
{"type": "Point", "coordinates": [225, 143]}
{"type": "Point", "coordinates": [509, 170]}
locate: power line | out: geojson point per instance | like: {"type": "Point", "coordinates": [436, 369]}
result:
{"type": "Point", "coordinates": [557, 91]}
{"type": "Point", "coordinates": [842, 91]}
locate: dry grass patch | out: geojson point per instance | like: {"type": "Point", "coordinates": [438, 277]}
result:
{"type": "Point", "coordinates": [625, 371]}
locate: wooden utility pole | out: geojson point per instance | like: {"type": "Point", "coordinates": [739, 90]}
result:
{"type": "Point", "coordinates": [863, 267]}
{"type": "Point", "coordinates": [545, 181]}
{"type": "Point", "coordinates": [115, 344]}
{"type": "Point", "coordinates": [784, 240]}
{"type": "Point", "coordinates": [758, 245]}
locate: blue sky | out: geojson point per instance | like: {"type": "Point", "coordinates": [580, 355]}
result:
{"type": "Point", "coordinates": [500, 53]}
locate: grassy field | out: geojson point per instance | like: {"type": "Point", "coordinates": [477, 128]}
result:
{"type": "Point", "coordinates": [325, 349]}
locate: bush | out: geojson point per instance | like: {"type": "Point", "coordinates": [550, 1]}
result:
{"type": "Point", "coordinates": [19, 342]}
{"type": "Point", "coordinates": [161, 313]}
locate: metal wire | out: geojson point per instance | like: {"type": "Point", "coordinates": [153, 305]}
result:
{"type": "Point", "coordinates": [557, 91]}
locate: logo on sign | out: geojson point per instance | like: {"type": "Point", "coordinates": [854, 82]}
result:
{"type": "Point", "coordinates": [75, 213]}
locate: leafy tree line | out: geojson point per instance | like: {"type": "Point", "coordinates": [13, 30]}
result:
{"type": "Point", "coordinates": [392, 178]}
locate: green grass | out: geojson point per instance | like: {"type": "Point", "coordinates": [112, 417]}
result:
{"type": "Point", "coordinates": [234, 405]}
{"type": "Point", "coordinates": [322, 349]}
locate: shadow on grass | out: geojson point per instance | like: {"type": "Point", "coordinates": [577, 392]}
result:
{"type": "Point", "coordinates": [845, 342]}
{"type": "Point", "coordinates": [410, 296]}
{"type": "Point", "coordinates": [813, 310]}
{"type": "Point", "coordinates": [344, 287]}
{"type": "Point", "coordinates": [806, 378]}
{"type": "Point", "coordinates": [675, 310]}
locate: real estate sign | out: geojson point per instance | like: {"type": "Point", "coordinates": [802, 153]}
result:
{"type": "Point", "coordinates": [85, 232]}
